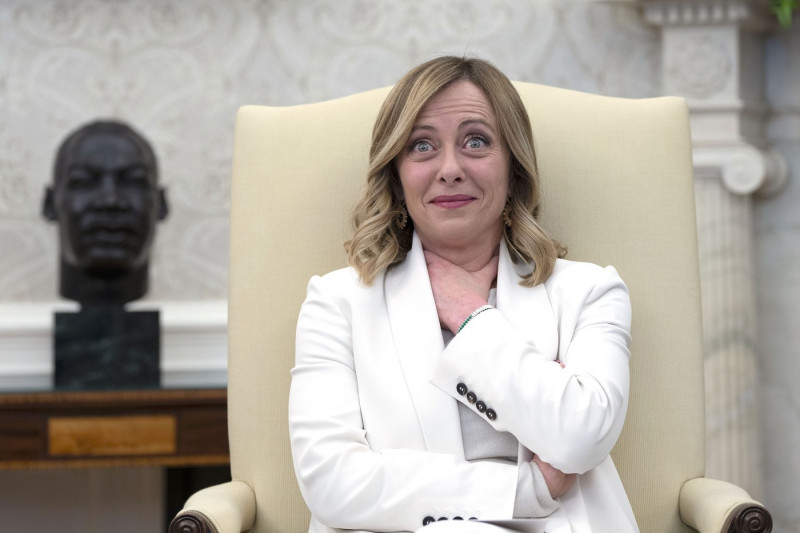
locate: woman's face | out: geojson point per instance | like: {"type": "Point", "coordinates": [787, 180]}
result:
{"type": "Point", "coordinates": [455, 169]}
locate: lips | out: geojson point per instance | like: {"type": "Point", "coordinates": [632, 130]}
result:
{"type": "Point", "coordinates": [109, 237]}
{"type": "Point", "coordinates": [452, 201]}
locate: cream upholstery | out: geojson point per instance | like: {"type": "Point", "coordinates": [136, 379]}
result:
{"type": "Point", "coordinates": [617, 189]}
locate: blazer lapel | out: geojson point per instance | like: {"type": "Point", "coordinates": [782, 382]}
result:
{"type": "Point", "coordinates": [527, 308]}
{"type": "Point", "coordinates": [418, 340]}
{"type": "Point", "coordinates": [418, 337]}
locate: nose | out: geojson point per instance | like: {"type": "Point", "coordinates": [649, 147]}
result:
{"type": "Point", "coordinates": [109, 194]}
{"type": "Point", "coordinates": [451, 171]}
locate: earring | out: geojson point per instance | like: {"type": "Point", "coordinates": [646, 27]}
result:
{"type": "Point", "coordinates": [403, 217]}
{"type": "Point", "coordinates": [507, 214]}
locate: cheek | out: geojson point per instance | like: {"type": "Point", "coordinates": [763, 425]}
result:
{"type": "Point", "coordinates": [411, 181]}
{"type": "Point", "coordinates": [139, 200]}
{"type": "Point", "coordinates": [76, 201]}
{"type": "Point", "coordinates": [493, 178]}
{"type": "Point", "coordinates": [503, 175]}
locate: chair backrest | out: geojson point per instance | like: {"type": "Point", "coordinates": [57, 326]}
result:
{"type": "Point", "coordinates": [617, 189]}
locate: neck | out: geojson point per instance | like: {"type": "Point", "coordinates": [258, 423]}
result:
{"type": "Point", "coordinates": [471, 257]}
{"type": "Point", "coordinates": [92, 290]}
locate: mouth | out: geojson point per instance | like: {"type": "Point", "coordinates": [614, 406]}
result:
{"type": "Point", "coordinates": [452, 201]}
{"type": "Point", "coordinates": [110, 236]}
{"type": "Point", "coordinates": [110, 239]}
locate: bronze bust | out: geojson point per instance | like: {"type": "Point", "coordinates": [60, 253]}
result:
{"type": "Point", "coordinates": [106, 199]}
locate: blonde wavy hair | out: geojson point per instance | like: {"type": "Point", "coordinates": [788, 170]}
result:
{"type": "Point", "coordinates": [378, 240]}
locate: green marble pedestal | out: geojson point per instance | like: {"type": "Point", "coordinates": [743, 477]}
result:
{"type": "Point", "coordinates": [106, 348]}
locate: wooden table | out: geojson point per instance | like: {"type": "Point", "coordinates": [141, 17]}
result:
{"type": "Point", "coordinates": [169, 427]}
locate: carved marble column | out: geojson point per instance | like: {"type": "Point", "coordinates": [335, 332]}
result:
{"type": "Point", "coordinates": [712, 56]}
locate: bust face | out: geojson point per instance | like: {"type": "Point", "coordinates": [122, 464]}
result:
{"type": "Point", "coordinates": [107, 203]}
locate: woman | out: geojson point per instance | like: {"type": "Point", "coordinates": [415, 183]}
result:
{"type": "Point", "coordinates": [459, 369]}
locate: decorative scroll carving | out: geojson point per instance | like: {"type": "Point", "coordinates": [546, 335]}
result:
{"type": "Point", "coordinates": [194, 522]}
{"type": "Point", "coordinates": [752, 519]}
{"type": "Point", "coordinates": [745, 169]}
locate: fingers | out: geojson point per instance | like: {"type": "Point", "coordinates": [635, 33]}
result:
{"type": "Point", "coordinates": [558, 483]}
{"type": "Point", "coordinates": [431, 258]}
{"type": "Point", "coordinates": [457, 291]}
{"type": "Point", "coordinates": [485, 276]}
{"type": "Point", "coordinates": [489, 272]}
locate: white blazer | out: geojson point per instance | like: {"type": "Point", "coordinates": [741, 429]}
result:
{"type": "Point", "coordinates": [373, 419]}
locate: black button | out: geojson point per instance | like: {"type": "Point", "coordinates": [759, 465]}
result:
{"type": "Point", "coordinates": [427, 520]}
{"type": "Point", "coordinates": [457, 518]}
{"type": "Point", "coordinates": [491, 415]}
{"type": "Point", "coordinates": [471, 397]}
{"type": "Point", "coordinates": [480, 406]}
{"type": "Point", "coordinates": [461, 388]}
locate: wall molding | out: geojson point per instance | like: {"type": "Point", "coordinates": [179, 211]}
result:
{"type": "Point", "coordinates": [747, 13]}
{"type": "Point", "coordinates": [193, 343]}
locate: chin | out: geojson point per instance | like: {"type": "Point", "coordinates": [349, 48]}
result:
{"type": "Point", "coordinates": [110, 262]}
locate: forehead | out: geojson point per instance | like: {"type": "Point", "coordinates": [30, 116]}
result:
{"type": "Point", "coordinates": [106, 150]}
{"type": "Point", "coordinates": [462, 100]}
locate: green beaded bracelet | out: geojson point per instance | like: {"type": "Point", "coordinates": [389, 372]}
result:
{"type": "Point", "coordinates": [472, 315]}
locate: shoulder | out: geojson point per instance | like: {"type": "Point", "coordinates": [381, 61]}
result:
{"type": "Point", "coordinates": [578, 277]}
{"type": "Point", "coordinates": [342, 286]}
{"type": "Point", "coordinates": [347, 276]}
{"type": "Point", "coordinates": [585, 293]}
{"type": "Point", "coordinates": [338, 282]}
{"type": "Point", "coordinates": [566, 269]}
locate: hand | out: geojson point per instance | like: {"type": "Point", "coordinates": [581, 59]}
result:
{"type": "Point", "coordinates": [558, 483]}
{"type": "Point", "coordinates": [456, 291]}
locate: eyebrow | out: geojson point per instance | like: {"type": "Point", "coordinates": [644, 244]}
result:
{"type": "Point", "coordinates": [471, 121]}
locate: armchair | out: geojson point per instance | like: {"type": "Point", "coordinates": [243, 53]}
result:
{"type": "Point", "coordinates": [617, 189]}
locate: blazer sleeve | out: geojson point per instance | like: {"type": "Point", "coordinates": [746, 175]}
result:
{"type": "Point", "coordinates": [571, 417]}
{"type": "Point", "coordinates": [344, 482]}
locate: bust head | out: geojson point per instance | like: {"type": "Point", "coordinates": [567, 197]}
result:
{"type": "Point", "coordinates": [106, 200]}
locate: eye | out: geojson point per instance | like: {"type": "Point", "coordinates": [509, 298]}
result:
{"type": "Point", "coordinates": [135, 175]}
{"type": "Point", "coordinates": [421, 146]}
{"type": "Point", "coordinates": [79, 176]}
{"type": "Point", "coordinates": [477, 141]}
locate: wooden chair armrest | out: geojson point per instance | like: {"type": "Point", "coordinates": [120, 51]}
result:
{"type": "Point", "coordinates": [714, 506]}
{"type": "Point", "coordinates": [226, 508]}
{"type": "Point", "coordinates": [751, 519]}
{"type": "Point", "coordinates": [191, 522]}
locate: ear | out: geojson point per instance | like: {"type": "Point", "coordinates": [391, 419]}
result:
{"type": "Point", "coordinates": [163, 207]}
{"type": "Point", "coordinates": [48, 205]}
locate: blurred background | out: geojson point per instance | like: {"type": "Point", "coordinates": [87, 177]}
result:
{"type": "Point", "coordinates": [178, 70]}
